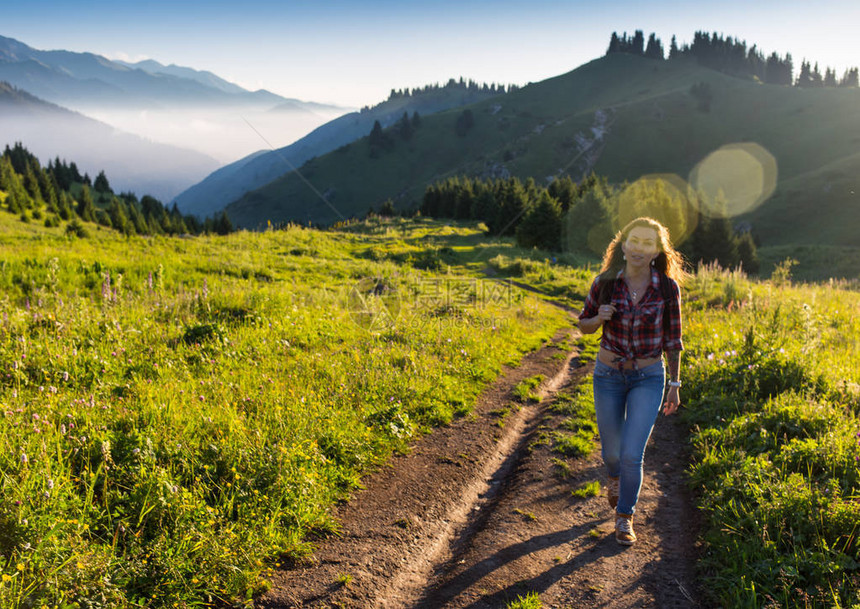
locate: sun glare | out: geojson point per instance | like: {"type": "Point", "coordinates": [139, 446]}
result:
{"type": "Point", "coordinates": [736, 179]}
{"type": "Point", "coordinates": [664, 197]}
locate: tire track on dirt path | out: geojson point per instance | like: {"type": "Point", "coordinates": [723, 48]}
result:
{"type": "Point", "coordinates": [540, 539]}
{"type": "Point", "coordinates": [398, 529]}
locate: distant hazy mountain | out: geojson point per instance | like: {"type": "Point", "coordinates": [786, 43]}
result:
{"type": "Point", "coordinates": [169, 104]}
{"type": "Point", "coordinates": [133, 164]}
{"type": "Point", "coordinates": [84, 79]}
{"type": "Point", "coordinates": [254, 171]}
{"type": "Point", "coordinates": [203, 77]}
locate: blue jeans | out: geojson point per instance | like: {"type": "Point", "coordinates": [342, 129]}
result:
{"type": "Point", "coordinates": [627, 403]}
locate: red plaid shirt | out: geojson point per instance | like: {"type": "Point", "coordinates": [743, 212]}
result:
{"type": "Point", "coordinates": [636, 331]}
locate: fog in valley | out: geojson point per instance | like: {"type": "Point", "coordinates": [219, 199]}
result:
{"type": "Point", "coordinates": [226, 134]}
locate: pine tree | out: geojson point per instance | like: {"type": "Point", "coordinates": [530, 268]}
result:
{"type": "Point", "coordinates": [101, 184]}
{"type": "Point", "coordinates": [541, 225]}
{"type": "Point", "coordinates": [119, 217]}
{"type": "Point", "coordinates": [714, 238]}
{"type": "Point", "coordinates": [564, 190]}
{"type": "Point", "coordinates": [654, 50]}
{"type": "Point", "coordinates": [65, 206]}
{"type": "Point", "coordinates": [804, 79]}
{"type": "Point", "coordinates": [748, 254]}
{"type": "Point", "coordinates": [461, 197]}
{"type": "Point", "coordinates": [48, 191]}
{"type": "Point", "coordinates": [850, 78]}
{"type": "Point", "coordinates": [404, 127]}
{"type": "Point", "coordinates": [673, 49]}
{"type": "Point", "coordinates": [31, 186]}
{"type": "Point", "coordinates": [86, 209]}
{"type": "Point", "coordinates": [637, 46]}
{"type": "Point", "coordinates": [223, 225]}
{"type": "Point", "coordinates": [614, 44]}
{"type": "Point", "coordinates": [817, 80]}
{"type": "Point", "coordinates": [512, 204]}
{"type": "Point", "coordinates": [430, 202]}
{"type": "Point", "coordinates": [387, 209]}
{"type": "Point", "coordinates": [484, 206]}
{"type": "Point", "coordinates": [588, 223]}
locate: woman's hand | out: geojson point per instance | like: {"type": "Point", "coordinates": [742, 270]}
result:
{"type": "Point", "coordinates": [605, 312]}
{"type": "Point", "coordinates": [672, 401]}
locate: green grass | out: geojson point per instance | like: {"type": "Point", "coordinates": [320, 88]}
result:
{"type": "Point", "coordinates": [529, 601]}
{"type": "Point", "coordinates": [529, 516]}
{"type": "Point", "coordinates": [772, 401]}
{"type": "Point", "coordinates": [589, 489]}
{"type": "Point", "coordinates": [526, 390]}
{"type": "Point", "coordinates": [180, 414]}
{"type": "Point", "coordinates": [578, 432]}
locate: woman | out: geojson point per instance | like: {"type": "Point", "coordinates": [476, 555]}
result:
{"type": "Point", "coordinates": [636, 300]}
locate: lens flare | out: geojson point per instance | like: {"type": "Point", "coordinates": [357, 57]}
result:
{"type": "Point", "coordinates": [666, 197]}
{"type": "Point", "coordinates": [735, 179]}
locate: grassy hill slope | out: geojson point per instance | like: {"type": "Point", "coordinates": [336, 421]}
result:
{"type": "Point", "coordinates": [649, 122]}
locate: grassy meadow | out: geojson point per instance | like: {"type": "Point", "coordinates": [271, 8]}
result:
{"type": "Point", "coordinates": [771, 388]}
{"type": "Point", "coordinates": [178, 415]}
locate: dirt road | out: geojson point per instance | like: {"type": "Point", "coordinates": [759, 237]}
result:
{"type": "Point", "coordinates": [480, 513]}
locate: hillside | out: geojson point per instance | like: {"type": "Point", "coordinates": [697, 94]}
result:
{"type": "Point", "coordinates": [134, 163]}
{"type": "Point", "coordinates": [256, 170]}
{"type": "Point", "coordinates": [621, 116]}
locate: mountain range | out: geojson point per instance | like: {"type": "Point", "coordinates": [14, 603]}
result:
{"type": "Point", "coordinates": [80, 80]}
{"type": "Point", "coordinates": [203, 118]}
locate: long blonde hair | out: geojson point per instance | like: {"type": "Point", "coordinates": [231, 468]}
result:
{"type": "Point", "coordinates": [669, 261]}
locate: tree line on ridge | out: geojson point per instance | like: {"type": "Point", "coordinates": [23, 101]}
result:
{"type": "Point", "coordinates": [730, 55]}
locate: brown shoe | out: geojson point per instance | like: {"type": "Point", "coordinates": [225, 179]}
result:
{"type": "Point", "coordinates": [624, 530]}
{"type": "Point", "coordinates": [612, 492]}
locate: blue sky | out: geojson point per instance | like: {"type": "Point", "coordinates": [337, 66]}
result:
{"type": "Point", "coordinates": [354, 53]}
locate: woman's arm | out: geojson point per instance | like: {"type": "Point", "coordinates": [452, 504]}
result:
{"type": "Point", "coordinates": [590, 324]}
{"type": "Point", "coordinates": [673, 400]}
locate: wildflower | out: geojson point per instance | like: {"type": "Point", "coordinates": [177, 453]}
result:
{"type": "Point", "coordinates": [24, 458]}
{"type": "Point", "coordinates": [711, 357]}
{"type": "Point", "coordinates": [50, 484]}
